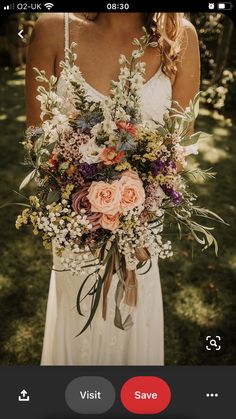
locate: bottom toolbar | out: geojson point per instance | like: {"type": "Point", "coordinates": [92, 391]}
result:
{"type": "Point", "coordinates": [176, 392]}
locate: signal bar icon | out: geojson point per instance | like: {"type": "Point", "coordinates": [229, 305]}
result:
{"type": "Point", "coordinates": [9, 7]}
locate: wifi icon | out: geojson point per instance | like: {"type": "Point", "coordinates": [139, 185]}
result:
{"type": "Point", "coordinates": [49, 5]}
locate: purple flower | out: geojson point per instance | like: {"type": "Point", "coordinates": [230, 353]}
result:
{"type": "Point", "coordinates": [87, 170]}
{"type": "Point", "coordinates": [158, 166]}
{"type": "Point", "coordinates": [175, 196]}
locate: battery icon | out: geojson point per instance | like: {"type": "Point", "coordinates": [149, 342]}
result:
{"type": "Point", "coordinates": [224, 6]}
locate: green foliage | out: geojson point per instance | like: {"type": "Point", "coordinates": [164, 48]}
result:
{"type": "Point", "coordinates": [218, 58]}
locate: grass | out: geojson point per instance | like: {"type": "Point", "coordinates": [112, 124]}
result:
{"type": "Point", "coordinates": [198, 290]}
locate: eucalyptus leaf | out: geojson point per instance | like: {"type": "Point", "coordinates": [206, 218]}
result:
{"type": "Point", "coordinates": [136, 42]}
{"type": "Point", "coordinates": [78, 300]}
{"type": "Point", "coordinates": [38, 144]}
{"type": "Point", "coordinates": [53, 196]}
{"type": "Point", "coordinates": [28, 179]}
{"type": "Point", "coordinates": [51, 146]}
{"type": "Point", "coordinates": [64, 166]}
{"type": "Point", "coordinates": [94, 305]}
{"type": "Point", "coordinates": [153, 44]}
{"type": "Point", "coordinates": [42, 157]}
{"type": "Point", "coordinates": [161, 130]}
{"type": "Point", "coordinates": [204, 212]}
{"type": "Point", "coordinates": [196, 101]}
{"type": "Point", "coordinates": [194, 138]}
{"type": "Point", "coordinates": [102, 252]}
{"type": "Point", "coordinates": [149, 267]}
{"type": "Point", "coordinates": [8, 204]}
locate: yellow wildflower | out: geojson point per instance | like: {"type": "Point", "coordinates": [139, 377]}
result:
{"type": "Point", "coordinates": [19, 222]}
{"type": "Point", "coordinates": [123, 166]}
{"type": "Point", "coordinates": [67, 191]}
{"type": "Point", "coordinates": [25, 216]}
{"type": "Point", "coordinates": [34, 201]}
{"type": "Point", "coordinates": [55, 207]}
{"type": "Point", "coordinates": [47, 244]}
{"type": "Point", "coordinates": [161, 178]}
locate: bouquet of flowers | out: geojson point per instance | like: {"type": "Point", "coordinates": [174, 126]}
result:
{"type": "Point", "coordinates": [107, 181]}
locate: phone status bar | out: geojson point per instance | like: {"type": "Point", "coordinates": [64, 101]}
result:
{"type": "Point", "coordinates": [109, 6]}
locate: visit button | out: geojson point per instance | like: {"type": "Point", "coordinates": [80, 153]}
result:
{"type": "Point", "coordinates": [90, 395]}
{"type": "Point", "coordinates": [145, 395]}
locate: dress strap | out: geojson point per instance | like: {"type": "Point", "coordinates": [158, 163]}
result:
{"type": "Point", "coordinates": [66, 30]}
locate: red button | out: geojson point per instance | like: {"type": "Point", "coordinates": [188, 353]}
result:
{"type": "Point", "coordinates": [145, 395]}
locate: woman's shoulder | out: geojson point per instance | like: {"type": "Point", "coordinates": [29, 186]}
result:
{"type": "Point", "coordinates": [58, 18]}
{"type": "Point", "coordinates": [52, 25]}
{"type": "Point", "coordinates": [189, 36]}
{"type": "Point", "coordinates": [49, 21]}
{"type": "Point", "coordinates": [49, 31]}
{"type": "Point", "coordinates": [188, 28]}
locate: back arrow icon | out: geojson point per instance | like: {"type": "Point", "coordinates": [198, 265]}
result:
{"type": "Point", "coordinates": [20, 33]}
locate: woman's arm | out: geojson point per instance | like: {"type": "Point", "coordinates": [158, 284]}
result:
{"type": "Point", "coordinates": [42, 53]}
{"type": "Point", "coordinates": [187, 80]}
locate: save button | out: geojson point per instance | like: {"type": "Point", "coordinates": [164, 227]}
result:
{"type": "Point", "coordinates": [145, 395]}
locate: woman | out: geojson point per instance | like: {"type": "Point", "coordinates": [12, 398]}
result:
{"type": "Point", "coordinates": [172, 73]}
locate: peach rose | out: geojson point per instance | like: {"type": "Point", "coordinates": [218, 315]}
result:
{"type": "Point", "coordinates": [105, 197]}
{"type": "Point", "coordinates": [132, 174]}
{"type": "Point", "coordinates": [109, 155]}
{"type": "Point", "coordinates": [110, 222]}
{"type": "Point", "coordinates": [132, 191]}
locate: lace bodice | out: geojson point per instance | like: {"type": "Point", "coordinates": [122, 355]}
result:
{"type": "Point", "coordinates": [155, 94]}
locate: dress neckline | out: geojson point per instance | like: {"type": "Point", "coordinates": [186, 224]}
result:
{"type": "Point", "coordinates": [98, 93]}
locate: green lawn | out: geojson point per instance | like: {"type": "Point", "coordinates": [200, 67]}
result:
{"type": "Point", "coordinates": [199, 291]}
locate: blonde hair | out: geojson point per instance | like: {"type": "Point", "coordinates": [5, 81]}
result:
{"type": "Point", "coordinates": [167, 30]}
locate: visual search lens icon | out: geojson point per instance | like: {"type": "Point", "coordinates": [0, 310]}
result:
{"type": "Point", "coordinates": [213, 343]}
{"type": "Point", "coordinates": [49, 6]}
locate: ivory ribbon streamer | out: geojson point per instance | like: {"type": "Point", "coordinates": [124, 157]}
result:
{"type": "Point", "coordinates": [131, 283]}
{"type": "Point", "coordinates": [126, 277]}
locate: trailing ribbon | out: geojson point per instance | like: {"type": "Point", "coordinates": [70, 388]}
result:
{"type": "Point", "coordinates": [127, 286]}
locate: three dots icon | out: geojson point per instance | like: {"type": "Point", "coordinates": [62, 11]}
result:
{"type": "Point", "coordinates": [212, 395]}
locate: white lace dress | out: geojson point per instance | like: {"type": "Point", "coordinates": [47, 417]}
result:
{"type": "Point", "coordinates": [103, 343]}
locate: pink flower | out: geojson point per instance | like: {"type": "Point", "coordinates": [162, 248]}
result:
{"type": "Point", "coordinates": [154, 197]}
{"type": "Point", "coordinates": [132, 191]}
{"type": "Point", "coordinates": [105, 197]}
{"type": "Point", "coordinates": [126, 126]}
{"type": "Point", "coordinates": [80, 201]}
{"type": "Point", "coordinates": [109, 155]}
{"type": "Point", "coordinates": [110, 222]}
